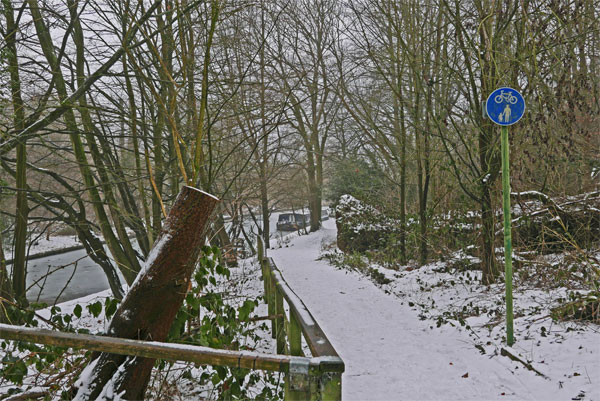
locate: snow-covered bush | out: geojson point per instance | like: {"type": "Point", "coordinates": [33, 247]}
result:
{"type": "Point", "coordinates": [361, 227]}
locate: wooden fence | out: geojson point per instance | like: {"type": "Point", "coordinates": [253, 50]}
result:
{"type": "Point", "coordinates": [288, 328]}
{"type": "Point", "coordinates": [318, 377]}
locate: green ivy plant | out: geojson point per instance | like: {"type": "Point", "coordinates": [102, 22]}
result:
{"type": "Point", "coordinates": [206, 318]}
{"type": "Point", "coordinates": [21, 358]}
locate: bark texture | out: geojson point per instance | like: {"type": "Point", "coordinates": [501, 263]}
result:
{"type": "Point", "coordinates": [149, 308]}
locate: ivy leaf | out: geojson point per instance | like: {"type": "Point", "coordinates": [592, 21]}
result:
{"type": "Point", "coordinates": [14, 369]}
{"type": "Point", "coordinates": [95, 308]}
{"type": "Point", "coordinates": [110, 307]}
{"type": "Point", "coordinates": [245, 310]}
{"type": "Point", "coordinates": [77, 311]}
{"type": "Point", "coordinates": [235, 389]}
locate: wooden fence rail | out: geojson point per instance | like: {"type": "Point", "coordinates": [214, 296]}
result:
{"type": "Point", "coordinates": [316, 378]}
{"type": "Point", "coordinates": [154, 349]}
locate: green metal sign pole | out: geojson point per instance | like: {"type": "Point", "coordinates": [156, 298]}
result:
{"type": "Point", "coordinates": [505, 106]}
{"type": "Point", "coordinates": [507, 237]}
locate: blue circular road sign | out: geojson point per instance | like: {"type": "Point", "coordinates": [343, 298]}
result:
{"type": "Point", "coordinates": [505, 106]}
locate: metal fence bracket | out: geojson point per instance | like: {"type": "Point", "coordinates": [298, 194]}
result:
{"type": "Point", "coordinates": [298, 374]}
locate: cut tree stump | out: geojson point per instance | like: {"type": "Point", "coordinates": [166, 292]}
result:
{"type": "Point", "coordinates": [150, 306]}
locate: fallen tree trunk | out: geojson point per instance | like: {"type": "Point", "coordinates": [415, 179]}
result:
{"type": "Point", "coordinates": [148, 310]}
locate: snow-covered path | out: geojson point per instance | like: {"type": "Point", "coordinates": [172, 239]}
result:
{"type": "Point", "coordinates": [390, 354]}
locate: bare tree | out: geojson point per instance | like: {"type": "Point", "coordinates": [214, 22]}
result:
{"type": "Point", "coordinates": [19, 271]}
{"type": "Point", "coordinates": [306, 72]}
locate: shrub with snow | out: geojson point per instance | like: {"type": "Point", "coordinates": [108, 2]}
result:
{"type": "Point", "coordinates": [361, 227]}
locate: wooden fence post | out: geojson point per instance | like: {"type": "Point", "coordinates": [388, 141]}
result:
{"type": "Point", "coordinates": [297, 386]}
{"type": "Point", "coordinates": [272, 291]}
{"type": "Point", "coordinates": [315, 388]}
{"type": "Point", "coordinates": [331, 386]}
{"type": "Point", "coordinates": [295, 336]}
{"type": "Point", "coordinates": [279, 322]}
{"type": "Point", "coordinates": [264, 268]}
{"type": "Point", "coordinates": [259, 250]}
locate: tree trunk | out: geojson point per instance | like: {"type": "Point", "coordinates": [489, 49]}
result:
{"type": "Point", "coordinates": [319, 189]}
{"type": "Point", "coordinates": [143, 235]}
{"type": "Point", "coordinates": [489, 265]}
{"type": "Point", "coordinates": [45, 39]}
{"type": "Point", "coordinates": [264, 206]}
{"type": "Point", "coordinates": [22, 211]}
{"type": "Point", "coordinates": [159, 173]}
{"type": "Point", "coordinates": [313, 206]}
{"type": "Point", "coordinates": [154, 299]}
{"type": "Point", "coordinates": [489, 152]}
{"type": "Point", "coordinates": [313, 197]}
{"type": "Point", "coordinates": [400, 132]}
{"type": "Point", "coordinates": [104, 176]}
{"type": "Point", "coordinates": [222, 239]}
{"type": "Point", "coordinates": [264, 194]}
{"type": "Point", "coordinates": [5, 286]}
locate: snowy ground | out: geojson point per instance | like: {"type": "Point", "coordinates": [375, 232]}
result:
{"type": "Point", "coordinates": [181, 381]}
{"type": "Point", "coordinates": [427, 334]}
{"type": "Point", "coordinates": [388, 335]}
{"type": "Point", "coordinates": [40, 244]}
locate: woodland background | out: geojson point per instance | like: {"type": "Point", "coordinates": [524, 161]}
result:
{"type": "Point", "coordinates": [109, 107]}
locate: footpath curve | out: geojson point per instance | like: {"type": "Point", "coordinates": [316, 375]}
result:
{"type": "Point", "coordinates": [389, 353]}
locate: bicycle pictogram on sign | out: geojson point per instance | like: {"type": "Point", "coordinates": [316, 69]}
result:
{"type": "Point", "coordinates": [505, 96]}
